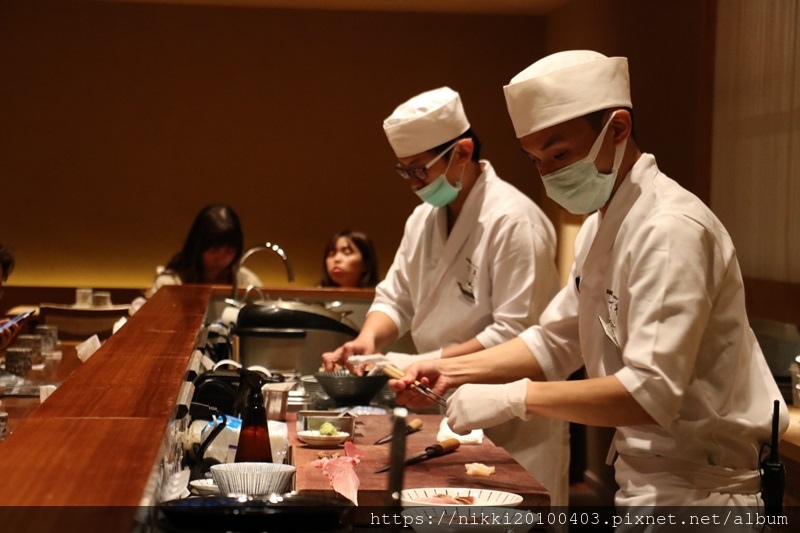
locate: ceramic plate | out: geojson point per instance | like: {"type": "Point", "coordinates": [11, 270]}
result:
{"type": "Point", "coordinates": [204, 487]}
{"type": "Point", "coordinates": [483, 497]}
{"type": "Point", "coordinates": [465, 519]}
{"type": "Point", "coordinates": [313, 438]}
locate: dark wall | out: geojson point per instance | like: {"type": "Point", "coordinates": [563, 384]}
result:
{"type": "Point", "coordinates": [670, 49]}
{"type": "Point", "coordinates": [118, 122]}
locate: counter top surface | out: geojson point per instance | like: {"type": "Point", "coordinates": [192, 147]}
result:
{"type": "Point", "coordinates": [96, 439]}
{"type": "Point", "coordinates": [790, 444]}
{"type": "Point", "coordinates": [79, 461]}
{"type": "Point", "coordinates": [445, 471]}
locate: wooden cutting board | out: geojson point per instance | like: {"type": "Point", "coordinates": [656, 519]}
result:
{"type": "Point", "coordinates": [445, 471]}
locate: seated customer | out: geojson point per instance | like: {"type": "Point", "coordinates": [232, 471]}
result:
{"type": "Point", "coordinates": [214, 244]}
{"type": "Point", "coordinates": [6, 266]}
{"type": "Point", "coordinates": [349, 261]}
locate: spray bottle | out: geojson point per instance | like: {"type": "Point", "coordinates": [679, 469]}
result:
{"type": "Point", "coordinates": [254, 444]}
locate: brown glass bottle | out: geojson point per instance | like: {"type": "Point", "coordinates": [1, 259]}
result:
{"type": "Point", "coordinates": [254, 444]}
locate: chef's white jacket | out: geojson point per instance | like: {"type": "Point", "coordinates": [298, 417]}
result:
{"type": "Point", "coordinates": [489, 279]}
{"type": "Point", "coordinates": [656, 299]}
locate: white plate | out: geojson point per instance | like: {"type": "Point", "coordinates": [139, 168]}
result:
{"type": "Point", "coordinates": [483, 497]}
{"type": "Point", "coordinates": [313, 438]}
{"type": "Point", "coordinates": [467, 519]}
{"type": "Point", "coordinates": [204, 487]}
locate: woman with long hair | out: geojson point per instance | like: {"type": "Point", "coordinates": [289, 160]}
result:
{"type": "Point", "coordinates": [213, 246]}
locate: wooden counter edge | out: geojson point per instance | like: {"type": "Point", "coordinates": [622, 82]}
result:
{"type": "Point", "coordinates": [175, 314]}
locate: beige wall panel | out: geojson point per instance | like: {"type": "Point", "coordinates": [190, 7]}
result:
{"type": "Point", "coordinates": [756, 153]}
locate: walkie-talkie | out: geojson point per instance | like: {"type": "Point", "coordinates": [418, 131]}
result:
{"type": "Point", "coordinates": [772, 471]}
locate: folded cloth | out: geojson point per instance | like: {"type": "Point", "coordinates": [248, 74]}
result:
{"type": "Point", "coordinates": [87, 348]}
{"type": "Point", "coordinates": [473, 437]}
{"type": "Point", "coordinates": [118, 324]}
{"type": "Point", "coordinates": [45, 391]}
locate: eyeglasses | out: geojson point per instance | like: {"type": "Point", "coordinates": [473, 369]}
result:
{"type": "Point", "coordinates": [422, 172]}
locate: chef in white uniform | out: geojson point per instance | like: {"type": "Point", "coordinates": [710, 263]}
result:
{"type": "Point", "coordinates": [475, 267]}
{"type": "Point", "coordinates": [655, 309]}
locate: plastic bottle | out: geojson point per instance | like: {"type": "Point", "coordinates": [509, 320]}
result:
{"type": "Point", "coordinates": [254, 443]}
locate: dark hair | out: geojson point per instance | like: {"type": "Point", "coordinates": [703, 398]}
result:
{"type": "Point", "coordinates": [469, 134]}
{"type": "Point", "coordinates": [6, 261]}
{"type": "Point", "coordinates": [214, 226]}
{"type": "Point", "coordinates": [595, 119]}
{"type": "Point", "coordinates": [369, 260]}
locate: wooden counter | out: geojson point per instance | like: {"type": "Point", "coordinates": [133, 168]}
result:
{"type": "Point", "coordinates": [20, 407]}
{"type": "Point", "coordinates": [96, 440]}
{"type": "Point", "coordinates": [790, 455]}
{"type": "Point", "coordinates": [445, 471]}
{"type": "Point", "coordinates": [790, 445]}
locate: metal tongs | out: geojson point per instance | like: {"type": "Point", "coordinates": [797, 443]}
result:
{"type": "Point", "coordinates": [395, 373]}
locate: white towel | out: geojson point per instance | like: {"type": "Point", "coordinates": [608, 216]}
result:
{"type": "Point", "coordinates": [473, 437]}
{"type": "Point", "coordinates": [45, 391]}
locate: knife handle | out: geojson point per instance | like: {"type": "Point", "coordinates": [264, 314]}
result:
{"type": "Point", "coordinates": [449, 445]}
{"type": "Point", "coordinates": [414, 425]}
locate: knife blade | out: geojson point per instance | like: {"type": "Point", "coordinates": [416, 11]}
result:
{"type": "Point", "coordinates": [435, 450]}
{"type": "Point", "coordinates": [411, 427]}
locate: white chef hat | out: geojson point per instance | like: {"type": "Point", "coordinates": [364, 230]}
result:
{"type": "Point", "coordinates": [425, 122]}
{"type": "Point", "coordinates": [564, 86]}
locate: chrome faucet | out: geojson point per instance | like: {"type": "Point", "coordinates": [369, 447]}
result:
{"type": "Point", "coordinates": [267, 246]}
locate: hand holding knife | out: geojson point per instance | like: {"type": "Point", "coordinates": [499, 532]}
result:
{"type": "Point", "coordinates": [435, 450]}
{"type": "Point", "coordinates": [414, 425]}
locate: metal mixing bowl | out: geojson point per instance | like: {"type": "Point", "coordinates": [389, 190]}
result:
{"type": "Point", "coordinates": [347, 389]}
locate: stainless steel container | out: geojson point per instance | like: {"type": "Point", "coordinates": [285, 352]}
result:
{"type": "Point", "coordinates": [289, 336]}
{"type": "Point", "coordinates": [314, 419]}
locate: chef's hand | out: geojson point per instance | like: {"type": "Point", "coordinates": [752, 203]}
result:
{"type": "Point", "coordinates": [8, 334]}
{"type": "Point", "coordinates": [340, 355]}
{"type": "Point", "coordinates": [483, 406]}
{"type": "Point", "coordinates": [428, 374]}
{"type": "Point", "coordinates": [396, 359]}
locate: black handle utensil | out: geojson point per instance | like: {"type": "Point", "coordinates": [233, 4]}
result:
{"type": "Point", "coordinates": [435, 450]}
{"type": "Point", "coordinates": [414, 425]}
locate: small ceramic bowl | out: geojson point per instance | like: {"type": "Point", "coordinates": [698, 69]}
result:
{"type": "Point", "coordinates": [253, 478]}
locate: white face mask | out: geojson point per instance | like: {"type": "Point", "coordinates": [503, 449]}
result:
{"type": "Point", "coordinates": [580, 188]}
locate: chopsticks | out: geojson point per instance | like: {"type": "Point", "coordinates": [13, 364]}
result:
{"type": "Point", "coordinates": [395, 373]}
